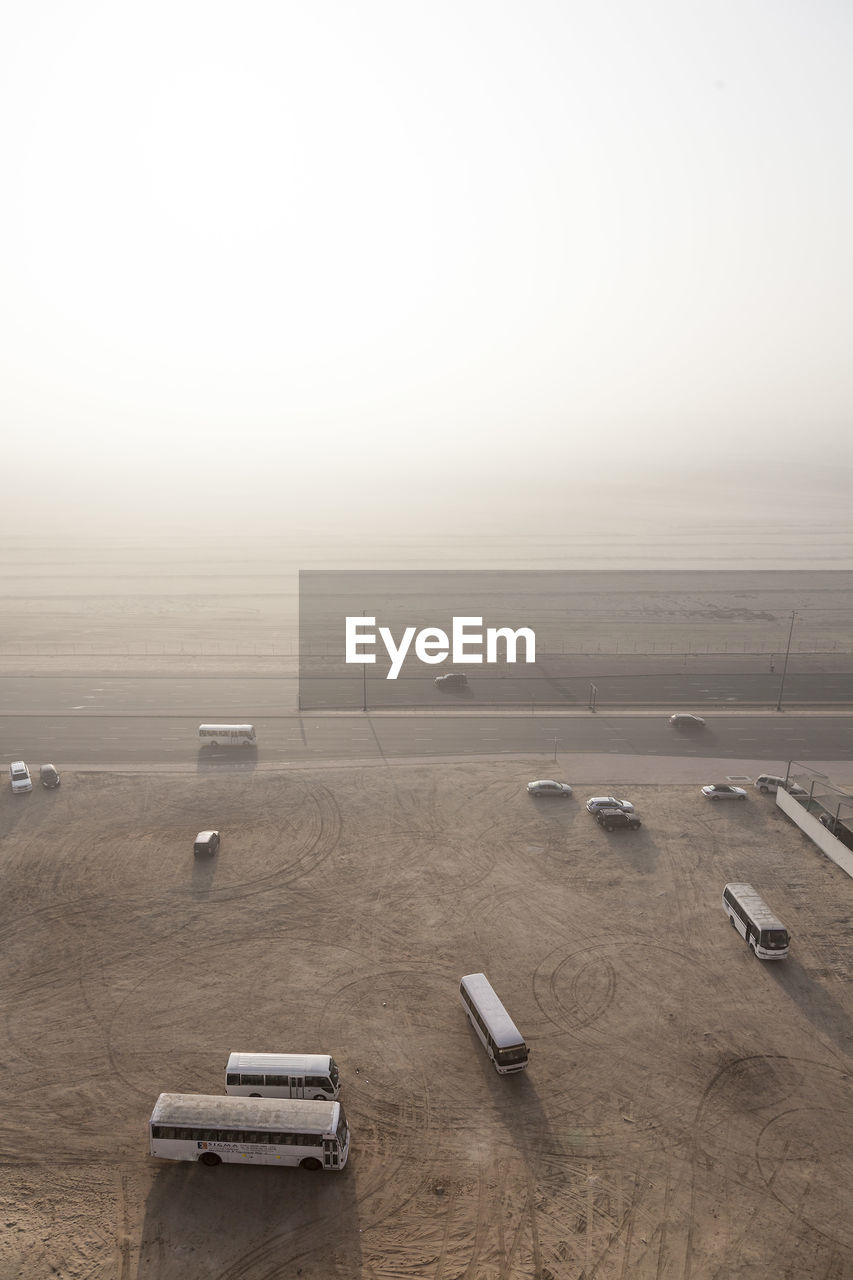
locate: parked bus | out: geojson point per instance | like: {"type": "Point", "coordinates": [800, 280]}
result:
{"type": "Point", "coordinates": [282, 1075]}
{"type": "Point", "coordinates": [227, 735]}
{"type": "Point", "coordinates": [501, 1038]}
{"type": "Point", "coordinates": [766, 936]}
{"type": "Point", "coordinates": [194, 1126]}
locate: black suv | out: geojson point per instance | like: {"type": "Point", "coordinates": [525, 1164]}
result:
{"type": "Point", "coordinates": [610, 819]}
{"type": "Point", "coordinates": [452, 680]}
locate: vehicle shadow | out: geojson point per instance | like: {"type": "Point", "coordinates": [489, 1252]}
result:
{"type": "Point", "coordinates": [13, 808]}
{"type": "Point", "coordinates": [826, 1014]}
{"type": "Point", "coordinates": [248, 1220]}
{"type": "Point", "coordinates": [204, 874]}
{"type": "Point", "coordinates": [517, 1103]}
{"type": "Point", "coordinates": [227, 759]}
{"type": "Point", "coordinates": [637, 850]}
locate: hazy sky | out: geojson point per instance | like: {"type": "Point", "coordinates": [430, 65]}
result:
{"type": "Point", "coordinates": [269, 248]}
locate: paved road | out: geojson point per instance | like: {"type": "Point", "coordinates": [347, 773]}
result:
{"type": "Point", "coordinates": [95, 740]}
{"type": "Point", "coordinates": [673, 689]}
{"type": "Point", "coordinates": [244, 698]}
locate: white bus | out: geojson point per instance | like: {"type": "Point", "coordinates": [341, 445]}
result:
{"type": "Point", "coordinates": [501, 1038]}
{"type": "Point", "coordinates": [766, 936]}
{"type": "Point", "coordinates": [282, 1075]}
{"type": "Point", "coordinates": [227, 735]}
{"type": "Point", "coordinates": [283, 1131]}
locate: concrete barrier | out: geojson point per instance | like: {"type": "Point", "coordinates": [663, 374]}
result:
{"type": "Point", "coordinates": [816, 831]}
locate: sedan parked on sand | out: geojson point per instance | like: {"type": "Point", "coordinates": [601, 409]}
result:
{"type": "Point", "coordinates": [722, 791]}
{"type": "Point", "coordinates": [686, 720]}
{"type": "Point", "coordinates": [594, 803]}
{"type": "Point", "coordinates": [547, 787]}
{"type": "Point", "coordinates": [613, 819]}
{"type": "Point", "coordinates": [49, 775]}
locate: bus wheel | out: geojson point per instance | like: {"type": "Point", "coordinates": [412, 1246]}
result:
{"type": "Point", "coordinates": [752, 947]}
{"type": "Point", "coordinates": [210, 1157]}
{"type": "Point", "coordinates": [732, 921]}
{"type": "Point", "coordinates": [319, 1097]}
{"type": "Point", "coordinates": [311, 1164]}
{"type": "Point", "coordinates": [254, 1095]}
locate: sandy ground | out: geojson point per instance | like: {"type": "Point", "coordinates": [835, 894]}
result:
{"type": "Point", "coordinates": [687, 1108]}
{"type": "Point", "coordinates": [686, 1112]}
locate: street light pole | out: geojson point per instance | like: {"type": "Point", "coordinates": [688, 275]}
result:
{"type": "Point", "coordinates": [785, 667]}
{"type": "Point", "coordinates": [364, 677]}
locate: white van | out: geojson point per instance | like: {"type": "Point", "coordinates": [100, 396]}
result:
{"type": "Point", "coordinates": [283, 1075]}
{"type": "Point", "coordinates": [19, 776]}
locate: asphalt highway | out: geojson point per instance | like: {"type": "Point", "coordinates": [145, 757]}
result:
{"type": "Point", "coordinates": [248, 698]}
{"type": "Point", "coordinates": [94, 739]}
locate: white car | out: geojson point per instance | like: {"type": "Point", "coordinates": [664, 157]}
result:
{"type": "Point", "coordinates": [547, 787]}
{"type": "Point", "coordinates": [594, 803]}
{"type": "Point", "coordinates": [686, 720]}
{"type": "Point", "coordinates": [722, 791]}
{"type": "Point", "coordinates": [769, 782]}
{"type": "Point", "coordinates": [19, 776]}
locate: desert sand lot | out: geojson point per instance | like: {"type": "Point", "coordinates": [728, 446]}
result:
{"type": "Point", "coordinates": [686, 1112]}
{"type": "Point", "coordinates": [687, 1108]}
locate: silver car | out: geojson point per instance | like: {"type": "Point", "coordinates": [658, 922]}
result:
{"type": "Point", "coordinates": [722, 791]}
{"type": "Point", "coordinates": [547, 787]}
{"type": "Point", "coordinates": [594, 803]}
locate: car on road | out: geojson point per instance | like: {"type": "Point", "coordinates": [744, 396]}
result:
{"type": "Point", "coordinates": [722, 791]}
{"type": "Point", "coordinates": [19, 777]}
{"type": "Point", "coordinates": [594, 803]}
{"type": "Point", "coordinates": [614, 819]}
{"type": "Point", "coordinates": [451, 680]}
{"type": "Point", "coordinates": [686, 720]}
{"type": "Point", "coordinates": [548, 787]}
{"type": "Point", "coordinates": [769, 782]}
{"type": "Point", "coordinates": [206, 842]}
{"type": "Point", "coordinates": [49, 775]}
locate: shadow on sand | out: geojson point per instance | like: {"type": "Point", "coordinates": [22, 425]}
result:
{"type": "Point", "coordinates": [227, 759]}
{"type": "Point", "coordinates": [240, 1221]}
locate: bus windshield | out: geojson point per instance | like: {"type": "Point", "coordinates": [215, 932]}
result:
{"type": "Point", "coordinates": [515, 1053]}
{"type": "Point", "coordinates": [774, 939]}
